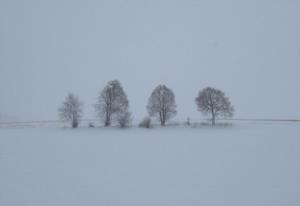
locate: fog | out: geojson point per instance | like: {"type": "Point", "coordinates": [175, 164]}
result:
{"type": "Point", "coordinates": [249, 49]}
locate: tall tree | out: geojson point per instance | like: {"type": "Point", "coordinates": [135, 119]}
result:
{"type": "Point", "coordinates": [71, 110]}
{"type": "Point", "coordinates": [214, 102]}
{"type": "Point", "coordinates": [112, 103]}
{"type": "Point", "coordinates": [162, 104]}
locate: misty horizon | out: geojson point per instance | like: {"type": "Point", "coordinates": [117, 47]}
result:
{"type": "Point", "coordinates": [250, 50]}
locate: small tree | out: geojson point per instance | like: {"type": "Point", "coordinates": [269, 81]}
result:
{"type": "Point", "coordinates": [162, 104]}
{"type": "Point", "coordinates": [214, 102]}
{"type": "Point", "coordinates": [112, 102]}
{"type": "Point", "coordinates": [145, 123]}
{"type": "Point", "coordinates": [124, 119]}
{"type": "Point", "coordinates": [71, 110]}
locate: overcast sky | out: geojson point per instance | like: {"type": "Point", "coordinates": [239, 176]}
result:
{"type": "Point", "coordinates": [250, 49]}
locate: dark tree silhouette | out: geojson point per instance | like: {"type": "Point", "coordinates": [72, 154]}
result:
{"type": "Point", "coordinates": [162, 104]}
{"type": "Point", "coordinates": [71, 110]}
{"type": "Point", "coordinates": [214, 102]}
{"type": "Point", "coordinates": [112, 103]}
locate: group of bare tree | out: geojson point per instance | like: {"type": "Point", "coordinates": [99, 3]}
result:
{"type": "Point", "coordinates": [113, 106]}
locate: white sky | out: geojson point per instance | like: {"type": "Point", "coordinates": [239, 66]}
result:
{"type": "Point", "coordinates": [250, 49]}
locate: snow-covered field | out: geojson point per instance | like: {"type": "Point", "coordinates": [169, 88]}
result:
{"type": "Point", "coordinates": [246, 164]}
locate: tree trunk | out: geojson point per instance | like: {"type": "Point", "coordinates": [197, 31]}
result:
{"type": "Point", "coordinates": [74, 124]}
{"type": "Point", "coordinates": [107, 119]}
{"type": "Point", "coordinates": [107, 123]}
{"type": "Point", "coordinates": [213, 116]}
{"type": "Point", "coordinates": [163, 121]}
{"type": "Point", "coordinates": [213, 120]}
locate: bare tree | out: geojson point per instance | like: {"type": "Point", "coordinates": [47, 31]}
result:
{"type": "Point", "coordinates": [214, 102]}
{"type": "Point", "coordinates": [71, 110]}
{"type": "Point", "coordinates": [162, 104]}
{"type": "Point", "coordinates": [112, 102]}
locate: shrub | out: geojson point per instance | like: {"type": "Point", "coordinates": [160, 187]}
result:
{"type": "Point", "coordinates": [145, 123]}
{"type": "Point", "coordinates": [124, 119]}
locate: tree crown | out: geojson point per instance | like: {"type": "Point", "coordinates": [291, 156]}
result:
{"type": "Point", "coordinates": [214, 101]}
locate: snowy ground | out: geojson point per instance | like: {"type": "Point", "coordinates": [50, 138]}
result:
{"type": "Point", "coordinates": [246, 164]}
